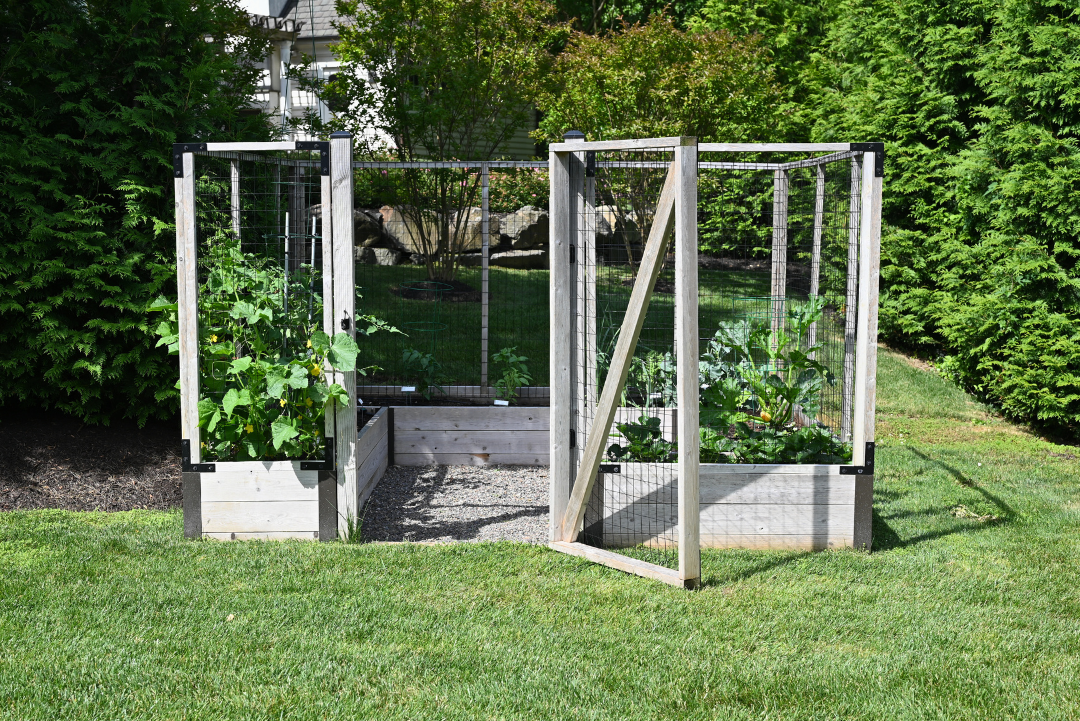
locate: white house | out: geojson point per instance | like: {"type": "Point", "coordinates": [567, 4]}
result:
{"type": "Point", "coordinates": [306, 27]}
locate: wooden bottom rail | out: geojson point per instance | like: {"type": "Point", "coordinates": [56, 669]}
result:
{"type": "Point", "coordinates": [624, 563]}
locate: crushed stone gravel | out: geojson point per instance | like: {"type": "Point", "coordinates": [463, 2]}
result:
{"type": "Point", "coordinates": [458, 503]}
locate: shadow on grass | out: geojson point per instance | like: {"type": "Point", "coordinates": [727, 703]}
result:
{"type": "Point", "coordinates": [886, 538]}
{"type": "Point", "coordinates": [1006, 510]}
{"type": "Point", "coordinates": [722, 579]}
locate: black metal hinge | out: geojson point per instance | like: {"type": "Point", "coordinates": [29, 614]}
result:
{"type": "Point", "coordinates": [186, 466]}
{"type": "Point", "coordinates": [590, 164]}
{"type": "Point", "coordinates": [573, 438]}
{"type": "Point", "coordinates": [610, 468]}
{"type": "Point", "coordinates": [867, 469]}
{"type": "Point", "coordinates": [178, 150]}
{"type": "Point", "coordinates": [573, 254]}
{"type": "Point", "coordinates": [322, 147]}
{"type": "Point", "coordinates": [326, 464]}
{"type": "Point", "coordinates": [878, 149]}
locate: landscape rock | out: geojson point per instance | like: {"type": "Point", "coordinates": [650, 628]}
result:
{"type": "Point", "coordinates": [526, 228]}
{"type": "Point", "coordinates": [379, 256]}
{"type": "Point", "coordinates": [472, 229]}
{"type": "Point", "coordinates": [405, 230]}
{"type": "Point", "coordinates": [367, 229]}
{"type": "Point", "coordinates": [520, 259]}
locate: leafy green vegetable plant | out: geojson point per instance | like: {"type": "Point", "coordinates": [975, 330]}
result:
{"type": "Point", "coordinates": [515, 373]}
{"type": "Point", "coordinates": [737, 390]}
{"type": "Point", "coordinates": [426, 372]}
{"type": "Point", "coordinates": [262, 360]}
{"type": "Point", "coordinates": [645, 442]}
{"type": "Point", "coordinates": [654, 378]}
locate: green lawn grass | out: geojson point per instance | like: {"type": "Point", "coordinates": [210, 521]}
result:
{"type": "Point", "coordinates": [968, 608]}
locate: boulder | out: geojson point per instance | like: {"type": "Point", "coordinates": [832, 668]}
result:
{"type": "Point", "coordinates": [520, 259]}
{"type": "Point", "coordinates": [526, 228]}
{"type": "Point", "coordinates": [367, 226]}
{"type": "Point", "coordinates": [405, 228]}
{"type": "Point", "coordinates": [364, 255]}
{"type": "Point", "coordinates": [472, 229]}
{"type": "Point", "coordinates": [367, 229]}
{"type": "Point", "coordinates": [379, 256]}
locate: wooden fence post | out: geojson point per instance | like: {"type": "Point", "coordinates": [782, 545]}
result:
{"type": "Point", "coordinates": [341, 204]}
{"type": "Point", "coordinates": [686, 353]}
{"type": "Point", "coordinates": [559, 358]}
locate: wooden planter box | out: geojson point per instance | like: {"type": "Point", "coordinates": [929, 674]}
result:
{"type": "Point", "coordinates": [794, 507]}
{"type": "Point", "coordinates": [279, 499]}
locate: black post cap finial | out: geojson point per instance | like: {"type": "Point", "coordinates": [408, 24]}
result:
{"type": "Point", "coordinates": [574, 136]}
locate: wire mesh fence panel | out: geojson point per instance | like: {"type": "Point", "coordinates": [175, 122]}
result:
{"type": "Point", "coordinates": [261, 342]}
{"type": "Point", "coordinates": [432, 260]}
{"type": "Point", "coordinates": [518, 279]}
{"type": "Point", "coordinates": [777, 304]}
{"type": "Point", "coordinates": [633, 505]}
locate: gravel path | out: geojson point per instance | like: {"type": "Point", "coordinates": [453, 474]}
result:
{"type": "Point", "coordinates": [459, 503]}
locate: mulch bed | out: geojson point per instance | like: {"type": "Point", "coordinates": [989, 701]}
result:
{"type": "Point", "coordinates": [53, 461]}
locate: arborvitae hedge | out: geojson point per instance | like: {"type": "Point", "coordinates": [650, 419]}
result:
{"type": "Point", "coordinates": [979, 105]}
{"type": "Point", "coordinates": [92, 95]}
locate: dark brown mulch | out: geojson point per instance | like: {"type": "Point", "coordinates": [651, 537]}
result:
{"type": "Point", "coordinates": [459, 292]}
{"type": "Point", "coordinates": [53, 461]}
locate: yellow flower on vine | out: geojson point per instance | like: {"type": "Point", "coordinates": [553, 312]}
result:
{"type": "Point", "coordinates": [282, 401]}
{"type": "Point", "coordinates": [309, 403]}
{"type": "Point", "coordinates": [766, 417]}
{"type": "Point", "coordinates": [315, 370]}
{"type": "Point", "coordinates": [213, 339]}
{"type": "Point", "coordinates": [249, 428]}
{"type": "Point", "coordinates": [309, 344]}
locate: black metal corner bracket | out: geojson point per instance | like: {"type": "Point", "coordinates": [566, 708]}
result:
{"type": "Point", "coordinates": [867, 469]}
{"type": "Point", "coordinates": [326, 464]}
{"type": "Point", "coordinates": [186, 466]}
{"type": "Point", "coordinates": [590, 164]}
{"type": "Point", "coordinates": [610, 468]}
{"type": "Point", "coordinates": [878, 149]}
{"type": "Point", "coordinates": [178, 150]}
{"type": "Point", "coordinates": [323, 149]}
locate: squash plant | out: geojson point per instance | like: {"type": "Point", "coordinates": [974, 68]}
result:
{"type": "Point", "coordinates": [262, 357]}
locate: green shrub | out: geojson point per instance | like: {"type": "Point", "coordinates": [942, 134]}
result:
{"type": "Point", "coordinates": [977, 103]}
{"type": "Point", "coordinates": [654, 80]}
{"type": "Point", "coordinates": [92, 95]}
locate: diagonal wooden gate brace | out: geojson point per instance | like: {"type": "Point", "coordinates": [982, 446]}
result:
{"type": "Point", "coordinates": [651, 262]}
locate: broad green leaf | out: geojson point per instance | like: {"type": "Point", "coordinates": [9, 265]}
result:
{"type": "Point", "coordinates": [298, 376]}
{"type": "Point", "coordinates": [339, 395]}
{"type": "Point", "coordinates": [207, 408]}
{"type": "Point", "coordinates": [343, 353]}
{"type": "Point", "coordinates": [240, 365]}
{"type": "Point", "coordinates": [282, 431]}
{"type": "Point", "coordinates": [242, 309]}
{"type": "Point", "coordinates": [320, 342]}
{"type": "Point", "coordinates": [235, 398]}
{"type": "Point", "coordinates": [276, 381]}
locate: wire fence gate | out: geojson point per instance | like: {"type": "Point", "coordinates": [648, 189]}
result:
{"type": "Point", "coordinates": [713, 336]}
